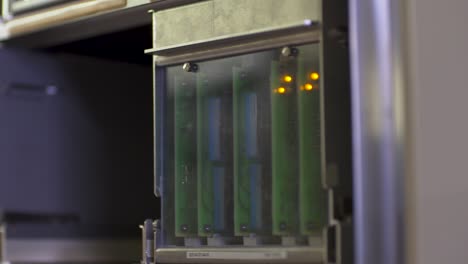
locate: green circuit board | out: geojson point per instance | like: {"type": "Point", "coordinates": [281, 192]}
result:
{"type": "Point", "coordinates": [185, 157]}
{"type": "Point", "coordinates": [284, 153]}
{"type": "Point", "coordinates": [247, 166]}
{"type": "Point", "coordinates": [210, 161]}
{"type": "Point", "coordinates": [312, 197]}
{"type": "Point", "coordinates": [246, 149]}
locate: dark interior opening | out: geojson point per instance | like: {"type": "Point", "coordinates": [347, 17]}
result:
{"type": "Point", "coordinates": [123, 46]}
{"type": "Point", "coordinates": [87, 147]}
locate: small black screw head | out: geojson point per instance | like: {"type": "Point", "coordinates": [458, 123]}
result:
{"type": "Point", "coordinates": [289, 52]}
{"type": "Point", "coordinates": [282, 226]}
{"type": "Point", "coordinates": [207, 228]}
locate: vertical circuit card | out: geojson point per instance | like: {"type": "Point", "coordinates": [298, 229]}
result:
{"type": "Point", "coordinates": [284, 152]}
{"type": "Point", "coordinates": [312, 197]}
{"type": "Point", "coordinates": [210, 162]}
{"type": "Point", "coordinates": [185, 157]}
{"type": "Point", "coordinates": [247, 166]}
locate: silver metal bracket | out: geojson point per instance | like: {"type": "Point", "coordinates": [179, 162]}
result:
{"type": "Point", "coordinates": [3, 243]}
{"type": "Point", "coordinates": [216, 241]}
{"type": "Point", "coordinates": [148, 242]}
{"type": "Point", "coordinates": [252, 240]}
{"type": "Point", "coordinates": [192, 242]}
{"type": "Point", "coordinates": [306, 31]}
{"type": "Point", "coordinates": [289, 241]}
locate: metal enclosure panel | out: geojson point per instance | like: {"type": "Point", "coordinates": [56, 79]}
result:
{"type": "Point", "coordinates": [217, 18]}
{"type": "Point", "coordinates": [75, 137]}
{"type": "Point", "coordinates": [336, 119]}
{"type": "Point", "coordinates": [183, 24]}
{"type": "Point", "coordinates": [178, 30]}
{"type": "Point", "coordinates": [378, 130]}
{"type": "Point", "coordinates": [437, 188]}
{"type": "Point", "coordinates": [178, 253]}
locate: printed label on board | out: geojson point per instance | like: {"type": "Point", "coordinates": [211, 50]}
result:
{"type": "Point", "coordinates": [237, 255]}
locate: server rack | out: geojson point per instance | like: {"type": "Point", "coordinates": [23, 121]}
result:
{"type": "Point", "coordinates": [252, 134]}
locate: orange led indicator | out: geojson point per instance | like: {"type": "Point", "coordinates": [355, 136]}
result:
{"type": "Point", "coordinates": [281, 90]}
{"type": "Point", "coordinates": [314, 76]}
{"type": "Point", "coordinates": [308, 87]}
{"type": "Point", "coordinates": [287, 78]}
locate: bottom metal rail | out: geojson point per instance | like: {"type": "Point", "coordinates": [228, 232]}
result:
{"type": "Point", "coordinates": [299, 254]}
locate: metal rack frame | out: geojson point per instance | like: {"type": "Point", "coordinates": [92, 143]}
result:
{"type": "Point", "coordinates": [335, 246]}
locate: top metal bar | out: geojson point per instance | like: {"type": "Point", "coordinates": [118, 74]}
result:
{"type": "Point", "coordinates": [134, 14]}
{"type": "Point", "coordinates": [306, 31]}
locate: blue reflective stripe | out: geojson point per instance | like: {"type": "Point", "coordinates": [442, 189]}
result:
{"type": "Point", "coordinates": [214, 129]}
{"type": "Point", "coordinates": [251, 124]}
{"type": "Point", "coordinates": [218, 185]}
{"type": "Point", "coordinates": [255, 196]}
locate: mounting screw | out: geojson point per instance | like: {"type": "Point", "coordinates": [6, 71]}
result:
{"type": "Point", "coordinates": [190, 67]}
{"type": "Point", "coordinates": [289, 52]}
{"type": "Point", "coordinates": [282, 226]}
{"type": "Point", "coordinates": [184, 228]}
{"type": "Point", "coordinates": [157, 224]}
{"type": "Point", "coordinates": [207, 228]}
{"type": "Point", "coordinates": [243, 228]}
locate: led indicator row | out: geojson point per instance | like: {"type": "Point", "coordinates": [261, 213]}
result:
{"type": "Point", "coordinates": [314, 76]}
